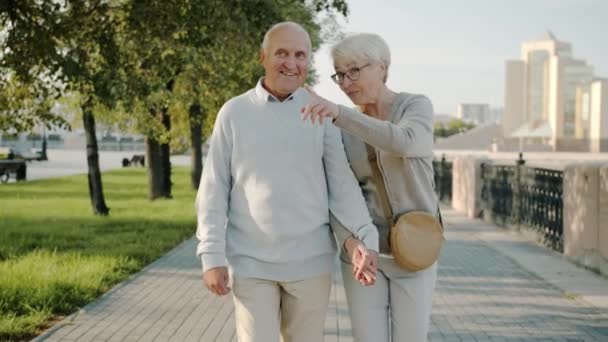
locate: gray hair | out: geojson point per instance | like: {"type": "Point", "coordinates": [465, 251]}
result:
{"type": "Point", "coordinates": [281, 25]}
{"type": "Point", "coordinates": [362, 46]}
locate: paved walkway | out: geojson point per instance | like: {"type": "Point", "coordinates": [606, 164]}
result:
{"type": "Point", "coordinates": [492, 286]}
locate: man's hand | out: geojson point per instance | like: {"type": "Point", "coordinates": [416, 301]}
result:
{"type": "Point", "coordinates": [216, 280]}
{"type": "Point", "coordinates": [365, 261]}
{"type": "Point", "coordinates": [319, 108]}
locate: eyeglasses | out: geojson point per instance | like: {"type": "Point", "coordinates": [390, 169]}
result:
{"type": "Point", "coordinates": [353, 74]}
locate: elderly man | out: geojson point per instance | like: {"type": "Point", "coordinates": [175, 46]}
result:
{"type": "Point", "coordinates": [269, 184]}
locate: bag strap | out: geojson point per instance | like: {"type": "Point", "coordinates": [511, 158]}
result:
{"type": "Point", "coordinates": [439, 217]}
{"type": "Point", "coordinates": [378, 180]}
{"type": "Point", "coordinates": [380, 185]}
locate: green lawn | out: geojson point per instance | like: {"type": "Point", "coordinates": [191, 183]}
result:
{"type": "Point", "coordinates": [56, 256]}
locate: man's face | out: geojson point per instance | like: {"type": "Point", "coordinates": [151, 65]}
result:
{"type": "Point", "coordinates": [285, 61]}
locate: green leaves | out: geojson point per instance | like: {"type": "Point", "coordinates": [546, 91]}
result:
{"type": "Point", "coordinates": [57, 46]}
{"type": "Point", "coordinates": [452, 127]}
{"type": "Point", "coordinates": [127, 54]}
{"type": "Point", "coordinates": [24, 106]}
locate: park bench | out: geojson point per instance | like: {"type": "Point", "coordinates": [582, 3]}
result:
{"type": "Point", "coordinates": [16, 168]}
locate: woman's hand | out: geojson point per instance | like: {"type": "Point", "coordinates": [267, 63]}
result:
{"type": "Point", "coordinates": [365, 261]}
{"type": "Point", "coordinates": [319, 108]}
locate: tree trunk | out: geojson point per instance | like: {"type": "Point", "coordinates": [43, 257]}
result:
{"type": "Point", "coordinates": [196, 142]}
{"type": "Point", "coordinates": [165, 156]}
{"type": "Point", "coordinates": [94, 175]}
{"type": "Point", "coordinates": [153, 165]}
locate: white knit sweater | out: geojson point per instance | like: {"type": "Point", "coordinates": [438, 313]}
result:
{"type": "Point", "coordinates": [269, 182]}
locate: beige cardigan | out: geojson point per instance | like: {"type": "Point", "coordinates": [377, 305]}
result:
{"type": "Point", "coordinates": [405, 154]}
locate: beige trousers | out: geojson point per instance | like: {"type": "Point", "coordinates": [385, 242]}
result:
{"type": "Point", "coordinates": [397, 308]}
{"type": "Point", "coordinates": [292, 311]}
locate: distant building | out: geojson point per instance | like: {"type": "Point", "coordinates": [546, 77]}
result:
{"type": "Point", "coordinates": [496, 114]}
{"type": "Point", "coordinates": [514, 115]}
{"type": "Point", "coordinates": [477, 113]}
{"type": "Point", "coordinates": [59, 138]}
{"type": "Point", "coordinates": [547, 88]}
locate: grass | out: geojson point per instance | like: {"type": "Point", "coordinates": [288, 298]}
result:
{"type": "Point", "coordinates": [56, 256]}
{"type": "Point", "coordinates": [571, 296]}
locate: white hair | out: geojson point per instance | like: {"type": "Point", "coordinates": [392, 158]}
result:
{"type": "Point", "coordinates": [359, 47]}
{"type": "Point", "coordinates": [281, 25]}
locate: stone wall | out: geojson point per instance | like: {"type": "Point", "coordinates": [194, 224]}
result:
{"type": "Point", "coordinates": [466, 185]}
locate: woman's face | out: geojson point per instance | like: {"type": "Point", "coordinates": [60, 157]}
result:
{"type": "Point", "coordinates": [361, 81]}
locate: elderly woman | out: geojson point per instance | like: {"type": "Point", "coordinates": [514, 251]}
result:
{"type": "Point", "coordinates": [398, 127]}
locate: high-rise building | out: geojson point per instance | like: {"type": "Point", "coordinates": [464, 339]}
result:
{"type": "Point", "coordinates": [541, 90]}
{"type": "Point", "coordinates": [538, 57]}
{"type": "Point", "coordinates": [598, 119]}
{"type": "Point", "coordinates": [582, 112]}
{"type": "Point", "coordinates": [514, 115]}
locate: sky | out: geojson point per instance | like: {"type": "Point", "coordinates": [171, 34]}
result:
{"type": "Point", "coordinates": [455, 51]}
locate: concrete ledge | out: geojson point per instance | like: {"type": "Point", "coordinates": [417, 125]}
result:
{"type": "Point", "coordinates": [582, 215]}
{"type": "Point", "coordinates": [603, 218]}
{"type": "Point", "coordinates": [466, 185]}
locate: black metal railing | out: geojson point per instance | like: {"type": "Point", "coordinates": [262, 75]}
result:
{"type": "Point", "coordinates": [542, 203]}
{"type": "Point", "coordinates": [528, 196]}
{"type": "Point", "coordinates": [497, 191]}
{"type": "Point", "coordinates": [443, 179]}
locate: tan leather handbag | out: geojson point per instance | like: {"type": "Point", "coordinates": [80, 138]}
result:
{"type": "Point", "coordinates": [416, 237]}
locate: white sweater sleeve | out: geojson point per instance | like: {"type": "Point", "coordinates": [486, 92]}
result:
{"type": "Point", "coordinates": [213, 196]}
{"type": "Point", "coordinates": [346, 200]}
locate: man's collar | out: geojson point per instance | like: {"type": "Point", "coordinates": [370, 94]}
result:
{"type": "Point", "coordinates": [265, 95]}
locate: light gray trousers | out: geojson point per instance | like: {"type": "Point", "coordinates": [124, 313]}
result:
{"type": "Point", "coordinates": [292, 311]}
{"type": "Point", "coordinates": [397, 308]}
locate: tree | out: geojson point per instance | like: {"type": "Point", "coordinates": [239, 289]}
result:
{"type": "Point", "coordinates": [68, 46]}
{"type": "Point", "coordinates": [183, 60]}
{"type": "Point", "coordinates": [187, 42]}
{"type": "Point", "coordinates": [22, 107]}
{"type": "Point", "coordinates": [454, 126]}
{"type": "Point", "coordinates": [439, 130]}
{"type": "Point", "coordinates": [208, 52]}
